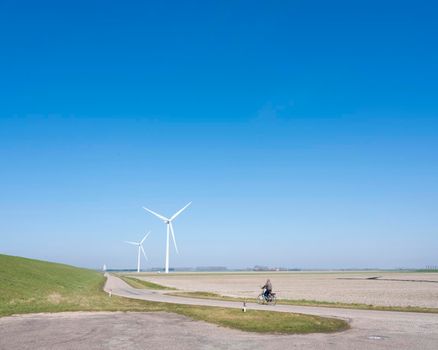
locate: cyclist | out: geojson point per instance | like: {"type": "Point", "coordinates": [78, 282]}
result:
{"type": "Point", "coordinates": [267, 289]}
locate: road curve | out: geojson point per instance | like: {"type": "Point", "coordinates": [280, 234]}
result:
{"type": "Point", "coordinates": [370, 329]}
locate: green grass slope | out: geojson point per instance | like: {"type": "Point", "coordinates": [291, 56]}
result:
{"type": "Point", "coordinates": [23, 277]}
{"type": "Point", "coordinates": [28, 285]}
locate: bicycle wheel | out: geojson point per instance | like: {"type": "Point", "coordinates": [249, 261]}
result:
{"type": "Point", "coordinates": [261, 299]}
{"type": "Point", "coordinates": [273, 300]}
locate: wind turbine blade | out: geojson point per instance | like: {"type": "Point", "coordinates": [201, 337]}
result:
{"type": "Point", "coordinates": [156, 214]}
{"type": "Point", "coordinates": [143, 252]}
{"type": "Point", "coordinates": [147, 234]}
{"type": "Point", "coordinates": [134, 243]}
{"type": "Point", "coordinates": [179, 212]}
{"type": "Point", "coordinates": [173, 237]}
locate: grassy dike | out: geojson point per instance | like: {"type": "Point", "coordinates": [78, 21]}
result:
{"type": "Point", "coordinates": [28, 286]}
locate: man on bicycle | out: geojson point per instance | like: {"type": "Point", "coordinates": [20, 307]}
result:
{"type": "Point", "coordinates": [267, 289]}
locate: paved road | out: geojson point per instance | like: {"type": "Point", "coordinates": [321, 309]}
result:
{"type": "Point", "coordinates": [96, 331]}
{"type": "Point", "coordinates": [376, 329]}
{"type": "Point", "coordinates": [129, 330]}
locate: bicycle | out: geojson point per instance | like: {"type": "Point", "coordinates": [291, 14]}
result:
{"type": "Point", "coordinates": [270, 299]}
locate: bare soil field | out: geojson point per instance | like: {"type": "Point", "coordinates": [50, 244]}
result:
{"type": "Point", "coordinates": [389, 289]}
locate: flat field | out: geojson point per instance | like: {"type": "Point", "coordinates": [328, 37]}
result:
{"type": "Point", "coordinates": [389, 289]}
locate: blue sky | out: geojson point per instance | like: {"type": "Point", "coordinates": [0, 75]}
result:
{"type": "Point", "coordinates": [305, 133]}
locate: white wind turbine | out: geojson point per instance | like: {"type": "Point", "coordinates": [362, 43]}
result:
{"type": "Point", "coordinates": [168, 222]}
{"type": "Point", "coordinates": [140, 247]}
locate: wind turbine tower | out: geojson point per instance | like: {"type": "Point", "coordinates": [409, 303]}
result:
{"type": "Point", "coordinates": [140, 247]}
{"type": "Point", "coordinates": [169, 227]}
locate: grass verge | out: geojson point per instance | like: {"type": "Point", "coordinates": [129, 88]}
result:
{"type": "Point", "coordinates": [141, 284]}
{"type": "Point", "coordinates": [305, 302]}
{"type": "Point", "coordinates": [263, 321]}
{"type": "Point", "coordinates": [29, 286]}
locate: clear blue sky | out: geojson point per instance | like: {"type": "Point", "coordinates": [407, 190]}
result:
{"type": "Point", "coordinates": [304, 132]}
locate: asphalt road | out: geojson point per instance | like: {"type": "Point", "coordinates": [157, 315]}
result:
{"type": "Point", "coordinates": [369, 329]}
{"type": "Point", "coordinates": [104, 330]}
